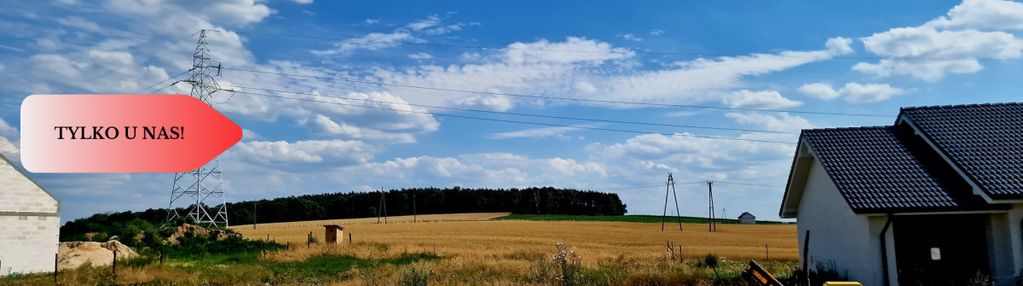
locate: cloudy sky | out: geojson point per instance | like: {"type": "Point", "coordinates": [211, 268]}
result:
{"type": "Point", "coordinates": [339, 96]}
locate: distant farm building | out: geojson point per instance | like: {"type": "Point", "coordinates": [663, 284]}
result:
{"type": "Point", "coordinates": [29, 223]}
{"type": "Point", "coordinates": [933, 199]}
{"type": "Point", "coordinates": [747, 218]}
{"type": "Point", "coordinates": [334, 233]}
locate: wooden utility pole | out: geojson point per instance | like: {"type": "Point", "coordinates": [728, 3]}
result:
{"type": "Point", "coordinates": [253, 214]}
{"type": "Point", "coordinates": [383, 207]}
{"type": "Point", "coordinates": [670, 185]}
{"type": "Point", "coordinates": [711, 224]}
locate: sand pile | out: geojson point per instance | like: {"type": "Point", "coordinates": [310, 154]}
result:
{"type": "Point", "coordinates": [73, 254]}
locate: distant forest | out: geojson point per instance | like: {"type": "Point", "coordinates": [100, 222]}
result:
{"type": "Point", "coordinates": [545, 200]}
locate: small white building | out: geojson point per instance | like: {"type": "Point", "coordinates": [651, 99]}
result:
{"type": "Point", "coordinates": [747, 218]}
{"type": "Point", "coordinates": [29, 223]}
{"type": "Point", "coordinates": [934, 199]}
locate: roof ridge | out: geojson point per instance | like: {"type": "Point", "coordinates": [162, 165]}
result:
{"type": "Point", "coordinates": [959, 105]}
{"type": "Point", "coordinates": [848, 128]}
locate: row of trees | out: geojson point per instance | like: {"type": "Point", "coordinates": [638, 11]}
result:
{"type": "Point", "coordinates": [546, 200]}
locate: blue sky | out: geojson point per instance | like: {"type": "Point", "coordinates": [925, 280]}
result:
{"type": "Point", "coordinates": [860, 57]}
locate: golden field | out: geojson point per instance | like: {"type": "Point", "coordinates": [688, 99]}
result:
{"type": "Point", "coordinates": [478, 235]}
{"type": "Point", "coordinates": [463, 249]}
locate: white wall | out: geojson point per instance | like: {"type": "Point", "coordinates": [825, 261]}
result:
{"type": "Point", "coordinates": [19, 194]}
{"type": "Point", "coordinates": [29, 224]}
{"type": "Point", "coordinates": [850, 241]}
{"type": "Point", "coordinates": [28, 243]}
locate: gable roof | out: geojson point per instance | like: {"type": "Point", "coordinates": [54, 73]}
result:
{"type": "Point", "coordinates": [21, 194]}
{"type": "Point", "coordinates": [882, 170]}
{"type": "Point", "coordinates": [746, 215]}
{"type": "Point", "coordinates": [985, 142]}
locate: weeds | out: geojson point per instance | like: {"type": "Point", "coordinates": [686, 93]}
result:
{"type": "Point", "coordinates": [568, 263]}
{"type": "Point", "coordinates": [414, 275]}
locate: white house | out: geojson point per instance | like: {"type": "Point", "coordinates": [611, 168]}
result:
{"type": "Point", "coordinates": [747, 218]}
{"type": "Point", "coordinates": [29, 223]}
{"type": "Point", "coordinates": [934, 199]}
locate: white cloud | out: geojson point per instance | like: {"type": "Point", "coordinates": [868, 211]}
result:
{"type": "Point", "coordinates": [852, 92]}
{"type": "Point", "coordinates": [240, 12]}
{"type": "Point", "coordinates": [570, 167]}
{"type": "Point", "coordinates": [535, 133]}
{"type": "Point", "coordinates": [777, 122]}
{"type": "Point", "coordinates": [248, 134]}
{"type": "Point", "coordinates": [303, 1]}
{"type": "Point", "coordinates": [572, 50]}
{"type": "Point", "coordinates": [631, 37]}
{"type": "Point", "coordinates": [430, 26]}
{"type": "Point", "coordinates": [951, 44]}
{"type": "Point", "coordinates": [983, 14]}
{"type": "Point", "coordinates": [79, 23]}
{"type": "Point", "coordinates": [423, 24]}
{"type": "Point", "coordinates": [839, 45]}
{"type": "Point", "coordinates": [656, 32]}
{"type": "Point", "coordinates": [420, 56]}
{"type": "Point", "coordinates": [759, 99]}
{"type": "Point", "coordinates": [371, 42]}
{"type": "Point", "coordinates": [578, 67]}
{"type": "Point", "coordinates": [329, 126]}
{"type": "Point", "coordinates": [282, 153]}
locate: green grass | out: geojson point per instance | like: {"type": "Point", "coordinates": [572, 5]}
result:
{"type": "Point", "coordinates": [622, 218]}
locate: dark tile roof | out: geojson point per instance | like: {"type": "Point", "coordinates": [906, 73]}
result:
{"type": "Point", "coordinates": [877, 170]}
{"type": "Point", "coordinates": [984, 140]}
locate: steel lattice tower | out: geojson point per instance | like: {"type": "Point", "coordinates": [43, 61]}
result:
{"type": "Point", "coordinates": [200, 191]}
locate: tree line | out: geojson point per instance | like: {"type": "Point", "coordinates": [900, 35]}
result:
{"type": "Point", "coordinates": [535, 200]}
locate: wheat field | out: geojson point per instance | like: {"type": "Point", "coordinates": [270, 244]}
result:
{"type": "Point", "coordinates": [479, 235]}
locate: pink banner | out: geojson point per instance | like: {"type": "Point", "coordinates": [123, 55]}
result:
{"type": "Point", "coordinates": [121, 133]}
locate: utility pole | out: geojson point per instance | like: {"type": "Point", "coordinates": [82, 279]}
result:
{"type": "Point", "coordinates": [414, 206]}
{"type": "Point", "coordinates": [671, 185]}
{"type": "Point", "coordinates": [200, 191]}
{"type": "Point", "coordinates": [383, 207]}
{"type": "Point", "coordinates": [711, 224]}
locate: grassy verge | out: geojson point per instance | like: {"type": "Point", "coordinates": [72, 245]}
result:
{"type": "Point", "coordinates": [622, 218]}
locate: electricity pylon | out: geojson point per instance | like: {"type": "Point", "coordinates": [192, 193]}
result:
{"type": "Point", "coordinates": [200, 191]}
{"type": "Point", "coordinates": [671, 186]}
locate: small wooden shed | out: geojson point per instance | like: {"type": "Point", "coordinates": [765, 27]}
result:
{"type": "Point", "coordinates": [335, 233]}
{"type": "Point", "coordinates": [747, 218]}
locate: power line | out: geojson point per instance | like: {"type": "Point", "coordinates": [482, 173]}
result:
{"type": "Point", "coordinates": [527, 114]}
{"type": "Point", "coordinates": [161, 82]}
{"type": "Point", "coordinates": [630, 188]}
{"type": "Point", "coordinates": [517, 121]}
{"type": "Point", "coordinates": [748, 184]}
{"type": "Point", "coordinates": [611, 51]}
{"type": "Point", "coordinates": [602, 101]}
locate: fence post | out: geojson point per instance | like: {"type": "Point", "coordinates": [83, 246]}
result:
{"type": "Point", "coordinates": [55, 268]}
{"type": "Point", "coordinates": [114, 265]}
{"type": "Point", "coordinates": [680, 257]}
{"type": "Point", "coordinates": [161, 256]}
{"type": "Point", "coordinates": [349, 238]}
{"type": "Point", "coordinates": [767, 253]}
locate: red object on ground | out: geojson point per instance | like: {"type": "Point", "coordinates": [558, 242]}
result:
{"type": "Point", "coordinates": [103, 133]}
